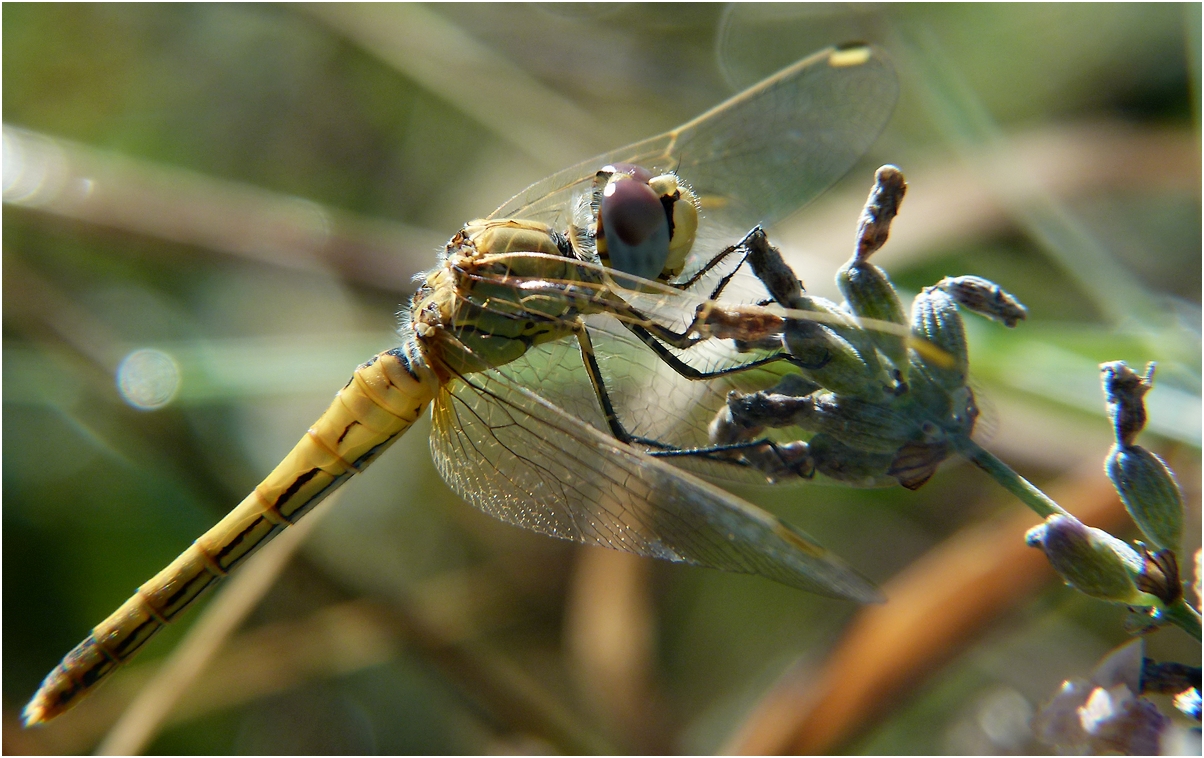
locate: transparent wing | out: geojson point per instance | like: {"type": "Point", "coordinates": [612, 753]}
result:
{"type": "Point", "coordinates": [525, 461]}
{"type": "Point", "coordinates": [650, 399]}
{"type": "Point", "coordinates": [755, 158]}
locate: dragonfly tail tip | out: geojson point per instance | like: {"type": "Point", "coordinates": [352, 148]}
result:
{"type": "Point", "coordinates": [34, 713]}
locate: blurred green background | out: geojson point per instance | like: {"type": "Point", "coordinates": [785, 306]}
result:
{"type": "Point", "coordinates": [250, 189]}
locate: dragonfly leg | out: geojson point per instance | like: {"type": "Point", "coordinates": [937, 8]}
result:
{"type": "Point", "coordinates": [590, 359]}
{"type": "Point", "coordinates": [766, 263]}
{"type": "Point", "coordinates": [593, 370]}
{"type": "Point", "coordinates": [742, 245]}
{"type": "Point", "coordinates": [742, 441]}
{"type": "Point", "coordinates": [687, 371]}
{"type": "Point", "coordinates": [749, 245]}
{"type": "Point", "coordinates": [776, 460]}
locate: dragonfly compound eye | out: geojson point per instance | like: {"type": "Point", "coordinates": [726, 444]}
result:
{"type": "Point", "coordinates": [634, 227]}
{"type": "Point", "coordinates": [639, 173]}
{"type": "Point", "coordinates": [682, 211]}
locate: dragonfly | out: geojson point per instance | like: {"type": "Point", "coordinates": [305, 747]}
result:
{"type": "Point", "coordinates": [545, 341]}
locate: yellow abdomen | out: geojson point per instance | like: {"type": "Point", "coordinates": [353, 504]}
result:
{"type": "Point", "coordinates": [384, 397]}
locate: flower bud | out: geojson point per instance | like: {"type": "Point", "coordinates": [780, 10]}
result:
{"type": "Point", "coordinates": [915, 462]}
{"type": "Point", "coordinates": [866, 288]}
{"type": "Point", "coordinates": [880, 210]}
{"type": "Point", "coordinates": [767, 264]}
{"type": "Point", "coordinates": [859, 424]}
{"type": "Point", "coordinates": [725, 429]}
{"type": "Point", "coordinates": [1124, 392]}
{"type": "Point", "coordinates": [934, 318]}
{"type": "Point", "coordinates": [986, 298]}
{"type": "Point", "coordinates": [1160, 575]}
{"type": "Point", "coordinates": [1090, 560]}
{"type": "Point", "coordinates": [831, 361]}
{"type": "Point", "coordinates": [831, 349]}
{"type": "Point", "coordinates": [1106, 714]}
{"type": "Point", "coordinates": [870, 295]}
{"type": "Point", "coordinates": [1150, 493]}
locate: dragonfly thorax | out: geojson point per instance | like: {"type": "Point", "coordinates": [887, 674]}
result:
{"type": "Point", "coordinates": [477, 310]}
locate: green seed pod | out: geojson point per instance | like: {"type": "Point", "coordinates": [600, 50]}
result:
{"type": "Point", "coordinates": [870, 295]}
{"type": "Point", "coordinates": [985, 298]}
{"type": "Point", "coordinates": [934, 318]}
{"type": "Point", "coordinates": [1150, 493]}
{"type": "Point", "coordinates": [831, 361]}
{"type": "Point", "coordinates": [794, 384]}
{"type": "Point", "coordinates": [1090, 560]}
{"type": "Point", "coordinates": [849, 465]}
{"type": "Point", "coordinates": [834, 337]}
{"type": "Point", "coordinates": [863, 425]}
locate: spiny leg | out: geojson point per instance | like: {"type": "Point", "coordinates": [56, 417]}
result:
{"type": "Point", "coordinates": [594, 371]}
{"type": "Point", "coordinates": [738, 441]}
{"type": "Point", "coordinates": [772, 459]}
{"type": "Point", "coordinates": [742, 245]}
{"type": "Point", "coordinates": [685, 370]}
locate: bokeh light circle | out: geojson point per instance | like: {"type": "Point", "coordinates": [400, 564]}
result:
{"type": "Point", "coordinates": [148, 379]}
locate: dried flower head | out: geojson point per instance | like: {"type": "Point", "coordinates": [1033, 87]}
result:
{"type": "Point", "coordinates": [1124, 389]}
{"type": "Point", "coordinates": [1105, 713]}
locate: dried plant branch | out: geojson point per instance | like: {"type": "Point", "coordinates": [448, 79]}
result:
{"type": "Point", "coordinates": [610, 641]}
{"type": "Point", "coordinates": [68, 179]}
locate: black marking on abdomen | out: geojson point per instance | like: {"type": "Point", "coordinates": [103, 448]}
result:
{"type": "Point", "coordinates": [124, 652]}
{"type": "Point", "coordinates": [345, 431]}
{"type": "Point", "coordinates": [367, 457]}
{"type": "Point", "coordinates": [400, 354]}
{"type": "Point", "coordinates": [185, 588]}
{"type": "Point", "coordinates": [226, 549]}
{"type": "Point", "coordinates": [319, 496]}
{"type": "Point", "coordinates": [63, 695]}
{"type": "Point", "coordinates": [293, 488]}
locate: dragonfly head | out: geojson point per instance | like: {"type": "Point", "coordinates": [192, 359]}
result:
{"type": "Point", "coordinates": [645, 223]}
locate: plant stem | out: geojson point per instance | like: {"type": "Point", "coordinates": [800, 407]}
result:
{"type": "Point", "coordinates": [1185, 617]}
{"type": "Point", "coordinates": [1009, 479]}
